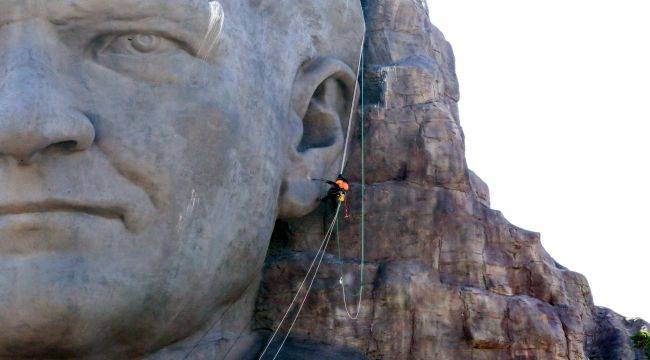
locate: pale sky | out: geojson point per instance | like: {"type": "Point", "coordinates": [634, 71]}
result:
{"type": "Point", "coordinates": [555, 105]}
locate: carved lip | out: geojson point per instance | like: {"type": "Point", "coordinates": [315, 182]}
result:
{"type": "Point", "coordinates": [108, 211]}
{"type": "Point", "coordinates": [52, 225]}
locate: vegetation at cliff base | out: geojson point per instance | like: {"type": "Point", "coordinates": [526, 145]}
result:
{"type": "Point", "coordinates": [642, 341]}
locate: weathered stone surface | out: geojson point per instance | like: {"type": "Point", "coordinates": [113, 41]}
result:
{"type": "Point", "coordinates": [610, 338]}
{"type": "Point", "coordinates": [145, 166]}
{"type": "Point", "coordinates": [147, 148]}
{"type": "Point", "coordinates": [481, 189]}
{"type": "Point", "coordinates": [447, 276]}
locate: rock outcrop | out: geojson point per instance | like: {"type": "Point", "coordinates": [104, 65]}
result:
{"type": "Point", "coordinates": [447, 277]}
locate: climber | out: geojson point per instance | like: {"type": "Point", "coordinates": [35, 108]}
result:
{"type": "Point", "coordinates": [337, 194]}
{"type": "Point", "coordinates": [338, 189]}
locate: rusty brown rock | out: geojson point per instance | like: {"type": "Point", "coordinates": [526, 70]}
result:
{"type": "Point", "coordinates": [447, 276]}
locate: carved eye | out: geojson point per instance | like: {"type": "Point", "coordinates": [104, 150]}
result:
{"type": "Point", "coordinates": [134, 44]}
{"type": "Point", "coordinates": [145, 43]}
{"type": "Point", "coordinates": [144, 56]}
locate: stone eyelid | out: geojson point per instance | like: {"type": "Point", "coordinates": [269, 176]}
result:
{"type": "Point", "coordinates": [213, 34]}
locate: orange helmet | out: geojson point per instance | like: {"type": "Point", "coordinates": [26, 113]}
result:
{"type": "Point", "coordinates": [343, 184]}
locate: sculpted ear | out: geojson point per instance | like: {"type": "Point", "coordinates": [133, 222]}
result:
{"type": "Point", "coordinates": [322, 100]}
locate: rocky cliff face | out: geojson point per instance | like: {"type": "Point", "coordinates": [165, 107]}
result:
{"type": "Point", "coordinates": [447, 276]}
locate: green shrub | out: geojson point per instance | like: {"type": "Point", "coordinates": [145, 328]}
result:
{"type": "Point", "coordinates": [642, 341]}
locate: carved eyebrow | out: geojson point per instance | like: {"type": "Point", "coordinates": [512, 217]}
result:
{"type": "Point", "coordinates": [193, 21]}
{"type": "Point", "coordinates": [194, 15]}
{"type": "Point", "coordinates": [126, 7]}
{"type": "Point", "coordinates": [196, 23]}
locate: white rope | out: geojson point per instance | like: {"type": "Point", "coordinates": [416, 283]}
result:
{"type": "Point", "coordinates": [345, 302]}
{"type": "Point", "coordinates": [344, 159]}
{"type": "Point", "coordinates": [363, 182]}
{"type": "Point", "coordinates": [321, 253]}
{"type": "Point", "coordinates": [328, 235]}
{"type": "Point", "coordinates": [217, 18]}
{"type": "Point", "coordinates": [304, 300]}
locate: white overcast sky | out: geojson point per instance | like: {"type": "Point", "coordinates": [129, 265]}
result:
{"type": "Point", "coordinates": [555, 105]}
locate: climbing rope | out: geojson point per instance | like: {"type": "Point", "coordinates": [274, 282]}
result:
{"type": "Point", "coordinates": [211, 38]}
{"type": "Point", "coordinates": [321, 251]}
{"type": "Point", "coordinates": [363, 214]}
{"type": "Point", "coordinates": [319, 255]}
{"type": "Point", "coordinates": [304, 300]}
{"type": "Point", "coordinates": [344, 159]}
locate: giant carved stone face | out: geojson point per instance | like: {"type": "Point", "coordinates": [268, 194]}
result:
{"type": "Point", "coordinates": [140, 182]}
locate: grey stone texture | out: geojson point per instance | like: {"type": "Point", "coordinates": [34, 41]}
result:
{"type": "Point", "coordinates": [157, 199]}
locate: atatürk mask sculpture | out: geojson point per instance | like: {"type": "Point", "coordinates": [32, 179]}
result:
{"type": "Point", "coordinates": [140, 182]}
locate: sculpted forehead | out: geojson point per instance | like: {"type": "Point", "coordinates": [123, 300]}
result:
{"type": "Point", "coordinates": [193, 13]}
{"type": "Point", "coordinates": [332, 26]}
{"type": "Point", "coordinates": [70, 8]}
{"type": "Point", "coordinates": [325, 27]}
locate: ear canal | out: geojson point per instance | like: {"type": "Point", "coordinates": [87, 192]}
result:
{"type": "Point", "coordinates": [322, 125]}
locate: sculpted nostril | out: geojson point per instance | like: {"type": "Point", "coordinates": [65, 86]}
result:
{"type": "Point", "coordinates": [24, 161]}
{"type": "Point", "coordinates": [67, 146]}
{"type": "Point", "coordinates": [62, 146]}
{"type": "Point", "coordinates": [70, 145]}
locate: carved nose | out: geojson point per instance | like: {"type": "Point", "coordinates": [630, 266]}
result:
{"type": "Point", "coordinates": [24, 136]}
{"type": "Point", "coordinates": [36, 117]}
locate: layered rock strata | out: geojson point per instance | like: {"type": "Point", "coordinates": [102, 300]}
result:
{"type": "Point", "coordinates": [447, 277]}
